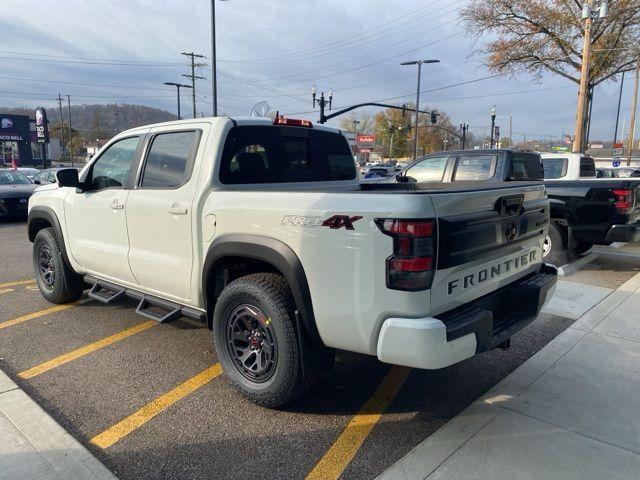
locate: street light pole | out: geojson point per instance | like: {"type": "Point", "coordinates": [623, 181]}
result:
{"type": "Point", "coordinates": [355, 133]}
{"type": "Point", "coordinates": [463, 128]}
{"type": "Point", "coordinates": [493, 125]}
{"type": "Point", "coordinates": [178, 85]}
{"type": "Point", "coordinates": [415, 137]}
{"type": "Point", "coordinates": [214, 84]}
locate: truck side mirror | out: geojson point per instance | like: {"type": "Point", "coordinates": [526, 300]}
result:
{"type": "Point", "coordinates": [67, 177]}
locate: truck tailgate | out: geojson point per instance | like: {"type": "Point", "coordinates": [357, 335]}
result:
{"type": "Point", "coordinates": [486, 239]}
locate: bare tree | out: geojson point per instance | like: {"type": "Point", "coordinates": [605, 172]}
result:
{"type": "Point", "coordinates": [546, 35]}
{"type": "Point", "coordinates": [364, 118]}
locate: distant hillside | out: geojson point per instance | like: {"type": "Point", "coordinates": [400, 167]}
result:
{"type": "Point", "coordinates": [102, 121]}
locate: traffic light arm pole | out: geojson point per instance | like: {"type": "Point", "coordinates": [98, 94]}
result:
{"type": "Point", "coordinates": [324, 118]}
{"type": "Point", "coordinates": [457, 135]}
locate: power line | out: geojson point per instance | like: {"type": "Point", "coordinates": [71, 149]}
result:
{"type": "Point", "coordinates": [83, 62]}
{"type": "Point", "coordinates": [85, 58]}
{"type": "Point", "coordinates": [358, 42]}
{"type": "Point", "coordinates": [337, 42]}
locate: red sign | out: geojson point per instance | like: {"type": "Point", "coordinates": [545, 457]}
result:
{"type": "Point", "coordinates": [366, 139]}
{"type": "Point", "coordinates": [618, 145]}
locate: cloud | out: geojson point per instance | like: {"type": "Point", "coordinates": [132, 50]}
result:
{"type": "Point", "coordinates": [353, 47]}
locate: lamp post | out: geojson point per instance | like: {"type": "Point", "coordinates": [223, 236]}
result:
{"type": "Point", "coordinates": [464, 126]}
{"type": "Point", "coordinates": [178, 85]}
{"type": "Point", "coordinates": [493, 125]}
{"type": "Point", "coordinates": [322, 102]}
{"type": "Point", "coordinates": [214, 85]}
{"type": "Point", "coordinates": [415, 137]}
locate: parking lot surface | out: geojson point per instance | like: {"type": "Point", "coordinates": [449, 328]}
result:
{"type": "Point", "coordinates": [149, 400]}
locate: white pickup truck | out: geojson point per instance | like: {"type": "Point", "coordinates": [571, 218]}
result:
{"type": "Point", "coordinates": [260, 229]}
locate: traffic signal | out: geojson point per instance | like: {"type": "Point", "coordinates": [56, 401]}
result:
{"type": "Point", "coordinates": [434, 117]}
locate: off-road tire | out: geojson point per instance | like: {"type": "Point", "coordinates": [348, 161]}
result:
{"type": "Point", "coordinates": [270, 294]}
{"type": "Point", "coordinates": [63, 284]}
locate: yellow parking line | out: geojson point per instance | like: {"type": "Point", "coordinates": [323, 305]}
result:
{"type": "Point", "coordinates": [150, 410]}
{"type": "Point", "coordinates": [19, 282]}
{"type": "Point", "coordinates": [353, 436]}
{"type": "Point", "coordinates": [80, 352]}
{"type": "Point", "coordinates": [6, 290]}
{"type": "Point", "coordinates": [40, 313]}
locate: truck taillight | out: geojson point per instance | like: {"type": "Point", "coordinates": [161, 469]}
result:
{"type": "Point", "coordinates": [411, 267]}
{"type": "Point", "coordinates": [623, 199]}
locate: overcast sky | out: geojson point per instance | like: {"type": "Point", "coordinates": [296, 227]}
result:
{"type": "Point", "coordinates": [275, 50]}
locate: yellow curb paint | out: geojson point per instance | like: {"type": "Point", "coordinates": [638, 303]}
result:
{"type": "Point", "coordinates": [19, 282]}
{"type": "Point", "coordinates": [150, 410]}
{"type": "Point", "coordinates": [40, 313]}
{"type": "Point", "coordinates": [7, 290]}
{"type": "Point", "coordinates": [81, 352]}
{"type": "Point", "coordinates": [355, 433]}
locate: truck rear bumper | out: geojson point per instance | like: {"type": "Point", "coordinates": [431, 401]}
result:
{"type": "Point", "coordinates": [623, 233]}
{"type": "Point", "coordinates": [481, 325]}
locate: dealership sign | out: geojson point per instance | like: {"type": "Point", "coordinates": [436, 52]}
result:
{"type": "Point", "coordinates": [42, 129]}
{"type": "Point", "coordinates": [366, 139]}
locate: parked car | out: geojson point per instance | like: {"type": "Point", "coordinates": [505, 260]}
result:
{"type": "Point", "coordinates": [585, 209]}
{"type": "Point", "coordinates": [15, 190]}
{"type": "Point", "coordinates": [379, 172]}
{"type": "Point", "coordinates": [261, 229]}
{"type": "Point", "coordinates": [47, 176]}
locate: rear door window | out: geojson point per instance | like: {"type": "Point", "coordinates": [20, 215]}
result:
{"type": "Point", "coordinates": [274, 154]}
{"type": "Point", "coordinates": [555, 167]}
{"type": "Point", "coordinates": [427, 170]}
{"type": "Point", "coordinates": [526, 166]}
{"type": "Point", "coordinates": [475, 167]}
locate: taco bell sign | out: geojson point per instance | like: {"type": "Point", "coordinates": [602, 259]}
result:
{"type": "Point", "coordinates": [42, 129]}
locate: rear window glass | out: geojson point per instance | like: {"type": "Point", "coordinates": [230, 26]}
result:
{"type": "Point", "coordinates": [272, 154]}
{"type": "Point", "coordinates": [587, 167]}
{"type": "Point", "coordinates": [475, 167]}
{"type": "Point", "coordinates": [428, 170]}
{"type": "Point", "coordinates": [526, 166]}
{"type": "Point", "coordinates": [555, 167]}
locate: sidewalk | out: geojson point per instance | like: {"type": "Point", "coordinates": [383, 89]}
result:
{"type": "Point", "coordinates": [572, 411]}
{"type": "Point", "coordinates": [33, 446]}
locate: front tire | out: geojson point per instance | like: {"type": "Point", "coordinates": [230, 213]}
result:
{"type": "Point", "coordinates": [255, 339]}
{"type": "Point", "coordinates": [57, 282]}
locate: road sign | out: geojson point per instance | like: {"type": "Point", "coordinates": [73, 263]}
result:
{"type": "Point", "coordinates": [617, 152]}
{"type": "Point", "coordinates": [366, 139]}
{"type": "Point", "coordinates": [616, 163]}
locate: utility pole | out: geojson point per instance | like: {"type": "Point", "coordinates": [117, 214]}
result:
{"type": "Point", "coordinates": [589, 14]}
{"type": "Point", "coordinates": [355, 133]}
{"type": "Point", "coordinates": [192, 56]}
{"type": "Point", "coordinates": [70, 132]}
{"type": "Point", "coordinates": [634, 105]}
{"type": "Point", "coordinates": [415, 137]}
{"type": "Point", "coordinates": [61, 125]}
{"type": "Point", "coordinates": [615, 132]}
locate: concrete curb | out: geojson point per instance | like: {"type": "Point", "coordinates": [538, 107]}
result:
{"type": "Point", "coordinates": [573, 267]}
{"type": "Point", "coordinates": [434, 451]}
{"type": "Point", "coordinates": [33, 445]}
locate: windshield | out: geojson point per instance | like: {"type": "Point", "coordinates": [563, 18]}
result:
{"type": "Point", "coordinates": [13, 178]}
{"type": "Point", "coordinates": [555, 167]}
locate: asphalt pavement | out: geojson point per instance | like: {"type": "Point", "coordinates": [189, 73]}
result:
{"type": "Point", "coordinates": [103, 373]}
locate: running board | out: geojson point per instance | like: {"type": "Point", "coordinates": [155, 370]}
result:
{"type": "Point", "coordinates": [106, 293]}
{"type": "Point", "coordinates": [172, 310]}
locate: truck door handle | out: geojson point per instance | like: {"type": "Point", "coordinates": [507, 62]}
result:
{"type": "Point", "coordinates": [115, 205]}
{"type": "Point", "coordinates": [176, 210]}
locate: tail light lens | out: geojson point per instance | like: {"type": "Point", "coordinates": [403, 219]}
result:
{"type": "Point", "coordinates": [411, 267]}
{"type": "Point", "coordinates": [623, 199]}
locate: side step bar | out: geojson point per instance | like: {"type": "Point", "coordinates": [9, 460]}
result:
{"type": "Point", "coordinates": [107, 292]}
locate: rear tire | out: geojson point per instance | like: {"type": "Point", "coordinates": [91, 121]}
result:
{"type": "Point", "coordinates": [57, 282]}
{"type": "Point", "coordinates": [254, 334]}
{"type": "Point", "coordinates": [554, 249]}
